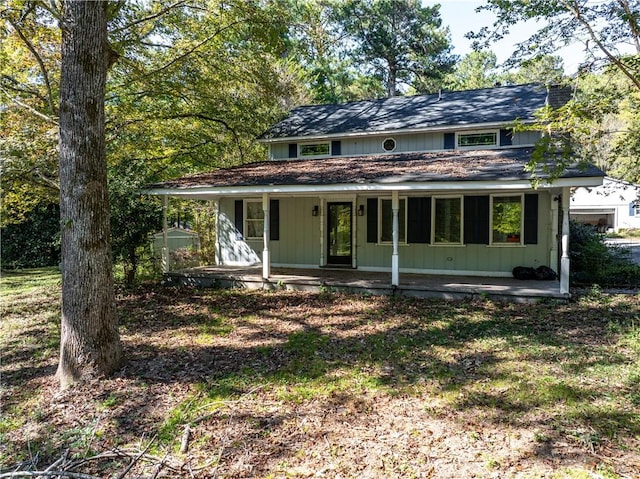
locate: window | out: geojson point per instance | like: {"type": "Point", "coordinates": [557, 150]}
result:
{"type": "Point", "coordinates": [315, 149]}
{"type": "Point", "coordinates": [636, 208]}
{"type": "Point", "coordinates": [389, 144]}
{"type": "Point", "coordinates": [506, 219]}
{"type": "Point", "coordinates": [386, 221]}
{"type": "Point", "coordinates": [254, 219]}
{"type": "Point", "coordinates": [447, 220]}
{"type": "Point", "coordinates": [477, 139]}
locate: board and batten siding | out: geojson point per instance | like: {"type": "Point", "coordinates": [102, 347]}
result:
{"type": "Point", "coordinates": [371, 145]}
{"type": "Point", "coordinates": [298, 236]}
{"type": "Point", "coordinates": [299, 244]}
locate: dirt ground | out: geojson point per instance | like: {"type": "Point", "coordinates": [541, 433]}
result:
{"type": "Point", "coordinates": [226, 367]}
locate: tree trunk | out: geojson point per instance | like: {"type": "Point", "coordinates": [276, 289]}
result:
{"type": "Point", "coordinates": [90, 345]}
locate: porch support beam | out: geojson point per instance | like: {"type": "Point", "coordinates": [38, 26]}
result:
{"type": "Point", "coordinates": [564, 259]}
{"type": "Point", "coordinates": [395, 263]}
{"type": "Point", "coordinates": [323, 222]}
{"type": "Point", "coordinates": [216, 213]}
{"type": "Point", "coordinates": [266, 260]}
{"type": "Point", "coordinates": [553, 253]}
{"type": "Point", "coordinates": [165, 237]}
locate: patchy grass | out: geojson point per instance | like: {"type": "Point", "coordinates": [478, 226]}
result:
{"type": "Point", "coordinates": [291, 384]}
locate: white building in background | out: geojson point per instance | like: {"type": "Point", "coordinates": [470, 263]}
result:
{"type": "Point", "coordinates": [614, 205]}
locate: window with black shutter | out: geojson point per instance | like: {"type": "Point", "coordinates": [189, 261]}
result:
{"type": "Point", "coordinates": [476, 219]}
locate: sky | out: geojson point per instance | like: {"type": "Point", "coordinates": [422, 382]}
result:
{"type": "Point", "coordinates": [460, 16]}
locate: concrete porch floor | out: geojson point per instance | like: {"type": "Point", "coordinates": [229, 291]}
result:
{"type": "Point", "coordinates": [367, 282]}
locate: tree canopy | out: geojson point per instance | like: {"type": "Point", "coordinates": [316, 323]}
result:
{"type": "Point", "coordinates": [599, 125]}
{"type": "Point", "coordinates": [400, 42]}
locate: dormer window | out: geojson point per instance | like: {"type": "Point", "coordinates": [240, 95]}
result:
{"type": "Point", "coordinates": [478, 139]}
{"type": "Point", "coordinates": [314, 149]}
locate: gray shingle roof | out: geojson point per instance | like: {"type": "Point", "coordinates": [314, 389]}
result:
{"type": "Point", "coordinates": [493, 105]}
{"type": "Point", "coordinates": [469, 165]}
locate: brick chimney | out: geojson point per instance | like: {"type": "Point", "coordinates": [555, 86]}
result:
{"type": "Point", "coordinates": [558, 95]}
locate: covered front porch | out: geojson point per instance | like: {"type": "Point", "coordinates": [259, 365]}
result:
{"type": "Point", "coordinates": [367, 282]}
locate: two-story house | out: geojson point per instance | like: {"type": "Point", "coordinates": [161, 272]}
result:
{"type": "Point", "coordinates": [427, 184]}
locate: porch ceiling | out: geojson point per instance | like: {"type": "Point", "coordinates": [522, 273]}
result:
{"type": "Point", "coordinates": [469, 169]}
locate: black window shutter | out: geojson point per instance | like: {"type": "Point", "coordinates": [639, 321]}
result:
{"type": "Point", "coordinates": [336, 146]}
{"type": "Point", "coordinates": [531, 218]}
{"type": "Point", "coordinates": [274, 220]}
{"type": "Point", "coordinates": [476, 220]}
{"type": "Point", "coordinates": [372, 220]}
{"type": "Point", "coordinates": [449, 141]}
{"type": "Point", "coordinates": [506, 137]}
{"type": "Point", "coordinates": [419, 220]}
{"type": "Point", "coordinates": [293, 150]}
{"type": "Point", "coordinates": [239, 219]}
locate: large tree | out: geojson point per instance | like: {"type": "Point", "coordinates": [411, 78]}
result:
{"type": "Point", "coordinates": [474, 70]}
{"type": "Point", "coordinates": [90, 343]}
{"type": "Point", "coordinates": [192, 87]}
{"type": "Point", "coordinates": [608, 30]}
{"type": "Point", "coordinates": [593, 126]}
{"type": "Point", "coordinates": [400, 41]}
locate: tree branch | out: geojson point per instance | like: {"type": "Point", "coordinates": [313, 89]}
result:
{"type": "Point", "coordinates": [13, 85]}
{"type": "Point", "coordinates": [573, 7]}
{"type": "Point", "coordinates": [193, 49]}
{"type": "Point", "coordinates": [633, 23]}
{"type": "Point", "coordinates": [29, 108]}
{"type": "Point", "coordinates": [41, 65]}
{"type": "Point", "coordinates": [150, 17]}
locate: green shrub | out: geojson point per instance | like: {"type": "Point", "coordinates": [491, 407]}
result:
{"type": "Point", "coordinates": [595, 262]}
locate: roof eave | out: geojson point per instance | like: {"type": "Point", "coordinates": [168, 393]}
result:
{"type": "Point", "coordinates": [207, 191]}
{"type": "Point", "coordinates": [398, 131]}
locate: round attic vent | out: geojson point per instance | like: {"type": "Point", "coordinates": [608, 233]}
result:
{"type": "Point", "coordinates": [389, 144]}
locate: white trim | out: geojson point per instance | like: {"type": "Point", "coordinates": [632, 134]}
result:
{"type": "Point", "coordinates": [206, 192]}
{"type": "Point", "coordinates": [506, 244]}
{"type": "Point", "coordinates": [266, 254]}
{"type": "Point", "coordinates": [432, 241]}
{"type": "Point", "coordinates": [564, 252]}
{"type": "Point", "coordinates": [400, 131]}
{"type": "Point", "coordinates": [443, 272]}
{"type": "Point", "coordinates": [295, 265]}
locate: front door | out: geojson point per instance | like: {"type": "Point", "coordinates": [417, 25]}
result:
{"type": "Point", "coordinates": [339, 220]}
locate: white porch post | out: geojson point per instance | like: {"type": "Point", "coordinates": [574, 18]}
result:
{"type": "Point", "coordinates": [165, 238]}
{"type": "Point", "coordinates": [323, 247]}
{"type": "Point", "coordinates": [395, 264]}
{"type": "Point", "coordinates": [564, 260]}
{"type": "Point", "coordinates": [266, 260]}
{"type": "Point", "coordinates": [216, 213]}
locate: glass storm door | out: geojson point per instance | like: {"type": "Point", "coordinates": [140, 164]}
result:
{"type": "Point", "coordinates": [339, 233]}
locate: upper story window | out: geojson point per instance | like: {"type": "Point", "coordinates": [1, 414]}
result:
{"type": "Point", "coordinates": [315, 149]}
{"type": "Point", "coordinates": [477, 139]}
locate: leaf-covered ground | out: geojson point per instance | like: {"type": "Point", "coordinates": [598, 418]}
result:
{"type": "Point", "coordinates": [288, 384]}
